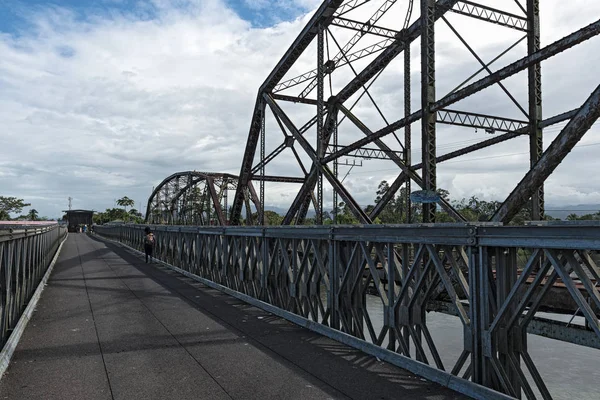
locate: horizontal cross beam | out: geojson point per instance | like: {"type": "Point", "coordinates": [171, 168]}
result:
{"type": "Point", "coordinates": [367, 153]}
{"type": "Point", "coordinates": [490, 14]}
{"type": "Point", "coordinates": [488, 122]}
{"type": "Point", "coordinates": [364, 27]}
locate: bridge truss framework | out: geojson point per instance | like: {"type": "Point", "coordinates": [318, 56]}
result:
{"type": "Point", "coordinates": [196, 198]}
{"type": "Point", "coordinates": [319, 138]}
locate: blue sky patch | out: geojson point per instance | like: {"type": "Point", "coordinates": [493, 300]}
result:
{"type": "Point", "coordinates": [15, 15]}
{"type": "Point", "coordinates": [65, 51]}
{"type": "Point", "coordinates": [262, 13]}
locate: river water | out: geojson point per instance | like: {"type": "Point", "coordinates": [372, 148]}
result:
{"type": "Point", "coordinates": [570, 371]}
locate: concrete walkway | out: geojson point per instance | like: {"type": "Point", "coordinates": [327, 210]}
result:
{"type": "Point", "coordinates": [108, 326]}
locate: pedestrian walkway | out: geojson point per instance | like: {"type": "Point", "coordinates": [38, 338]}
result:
{"type": "Point", "coordinates": [109, 326]}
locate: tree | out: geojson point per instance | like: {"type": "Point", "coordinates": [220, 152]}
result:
{"type": "Point", "coordinates": [585, 217]}
{"type": "Point", "coordinates": [382, 189]}
{"type": "Point", "coordinates": [111, 214]}
{"type": "Point", "coordinates": [10, 205]}
{"type": "Point", "coordinates": [135, 213]}
{"type": "Point", "coordinates": [33, 214]}
{"type": "Point", "coordinates": [272, 218]}
{"type": "Point", "coordinates": [135, 216]}
{"type": "Point", "coordinates": [125, 202]}
{"type": "Point", "coordinates": [475, 209]}
{"type": "Point", "coordinates": [344, 215]}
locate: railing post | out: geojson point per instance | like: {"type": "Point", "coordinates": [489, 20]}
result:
{"type": "Point", "coordinates": [479, 301]}
{"type": "Point", "coordinates": [404, 313]}
{"type": "Point", "coordinates": [332, 293]}
{"type": "Point", "coordinates": [509, 340]}
{"type": "Point", "coordinates": [263, 271]}
{"type": "Point", "coordinates": [389, 313]}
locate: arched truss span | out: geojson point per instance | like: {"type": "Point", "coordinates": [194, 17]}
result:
{"type": "Point", "coordinates": [309, 114]}
{"type": "Point", "coordinates": [197, 198]}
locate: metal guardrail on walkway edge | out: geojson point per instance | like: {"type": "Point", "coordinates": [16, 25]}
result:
{"type": "Point", "coordinates": [25, 255]}
{"type": "Point", "coordinates": [494, 278]}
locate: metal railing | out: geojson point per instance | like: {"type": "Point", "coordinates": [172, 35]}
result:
{"type": "Point", "coordinates": [494, 278]}
{"type": "Point", "coordinates": [25, 255]}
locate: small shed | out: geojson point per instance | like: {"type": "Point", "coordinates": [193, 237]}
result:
{"type": "Point", "coordinates": [77, 218]}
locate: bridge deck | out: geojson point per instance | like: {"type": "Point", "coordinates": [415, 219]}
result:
{"type": "Point", "coordinates": [108, 326]}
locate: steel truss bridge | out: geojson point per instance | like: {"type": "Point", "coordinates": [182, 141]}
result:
{"type": "Point", "coordinates": [195, 198]}
{"type": "Point", "coordinates": [344, 89]}
{"type": "Point", "coordinates": [201, 198]}
{"type": "Point", "coordinates": [320, 114]}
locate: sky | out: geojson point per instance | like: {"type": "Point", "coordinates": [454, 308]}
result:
{"type": "Point", "coordinates": [104, 99]}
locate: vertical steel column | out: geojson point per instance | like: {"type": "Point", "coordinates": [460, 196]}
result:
{"type": "Point", "coordinates": [508, 341]}
{"type": "Point", "coordinates": [427, 136]}
{"type": "Point", "coordinates": [389, 312]}
{"type": "Point", "coordinates": [166, 211]}
{"type": "Point", "coordinates": [224, 189]}
{"type": "Point", "coordinates": [407, 128]}
{"type": "Point", "coordinates": [484, 296]}
{"type": "Point", "coordinates": [334, 281]}
{"type": "Point", "coordinates": [536, 145]}
{"type": "Point", "coordinates": [174, 210]}
{"type": "Point", "coordinates": [427, 99]}
{"type": "Point", "coordinates": [405, 320]}
{"type": "Point", "coordinates": [320, 144]}
{"type": "Point", "coordinates": [335, 170]}
{"type": "Point", "coordinates": [261, 212]}
{"type": "Point", "coordinates": [476, 301]}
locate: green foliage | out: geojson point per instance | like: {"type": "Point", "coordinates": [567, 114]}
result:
{"type": "Point", "coordinates": [125, 202]}
{"type": "Point", "coordinates": [586, 217]}
{"type": "Point", "coordinates": [474, 209]}
{"type": "Point", "coordinates": [272, 218]}
{"type": "Point", "coordinates": [118, 214]}
{"type": "Point", "coordinates": [9, 205]}
{"type": "Point", "coordinates": [344, 215]}
{"type": "Point", "coordinates": [125, 216]}
{"type": "Point", "coordinates": [135, 213]}
{"type": "Point", "coordinates": [33, 214]}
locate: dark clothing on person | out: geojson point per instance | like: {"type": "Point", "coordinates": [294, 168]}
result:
{"type": "Point", "coordinates": [148, 248]}
{"type": "Point", "coordinates": [149, 244]}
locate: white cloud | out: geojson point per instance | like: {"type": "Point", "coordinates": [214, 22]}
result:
{"type": "Point", "coordinates": [132, 101]}
{"type": "Point", "coordinates": [108, 104]}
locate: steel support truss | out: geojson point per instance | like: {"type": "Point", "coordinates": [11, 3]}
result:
{"type": "Point", "coordinates": [199, 198]}
{"type": "Point", "coordinates": [494, 278]}
{"type": "Point", "coordinates": [346, 74]}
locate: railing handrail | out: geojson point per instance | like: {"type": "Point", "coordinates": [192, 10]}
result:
{"type": "Point", "coordinates": [565, 236]}
{"type": "Point", "coordinates": [10, 234]}
{"type": "Point", "coordinates": [493, 277]}
{"type": "Point", "coordinates": [26, 253]}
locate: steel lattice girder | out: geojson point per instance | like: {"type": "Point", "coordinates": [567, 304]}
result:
{"type": "Point", "coordinates": [494, 278]}
{"type": "Point", "coordinates": [379, 54]}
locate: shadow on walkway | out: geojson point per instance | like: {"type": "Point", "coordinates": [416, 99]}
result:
{"type": "Point", "coordinates": [109, 326]}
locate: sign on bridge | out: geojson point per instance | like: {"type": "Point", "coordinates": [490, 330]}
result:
{"type": "Point", "coordinates": [424, 196]}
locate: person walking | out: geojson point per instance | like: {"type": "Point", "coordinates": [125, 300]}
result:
{"type": "Point", "coordinates": [149, 241]}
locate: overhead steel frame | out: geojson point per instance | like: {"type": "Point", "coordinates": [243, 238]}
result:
{"type": "Point", "coordinates": [394, 40]}
{"type": "Point", "coordinates": [197, 198]}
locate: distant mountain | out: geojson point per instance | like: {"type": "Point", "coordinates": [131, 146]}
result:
{"type": "Point", "coordinates": [554, 211]}
{"type": "Point", "coordinates": [563, 211]}
{"type": "Point", "coordinates": [283, 211]}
